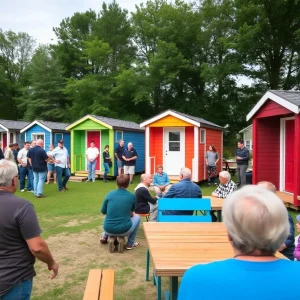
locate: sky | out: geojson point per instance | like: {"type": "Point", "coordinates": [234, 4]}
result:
{"type": "Point", "coordinates": [38, 17]}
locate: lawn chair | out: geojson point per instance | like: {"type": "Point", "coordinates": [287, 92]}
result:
{"type": "Point", "coordinates": [193, 204]}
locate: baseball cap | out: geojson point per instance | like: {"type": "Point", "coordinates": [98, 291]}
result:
{"type": "Point", "coordinates": [61, 141]}
{"type": "Point", "coordinates": [298, 218]}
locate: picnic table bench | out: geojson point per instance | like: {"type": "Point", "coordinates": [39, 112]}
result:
{"type": "Point", "coordinates": [229, 165]}
{"type": "Point", "coordinates": [100, 285]}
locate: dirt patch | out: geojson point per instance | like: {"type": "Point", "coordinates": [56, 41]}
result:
{"type": "Point", "coordinates": [78, 253]}
{"type": "Point", "coordinates": [76, 222]}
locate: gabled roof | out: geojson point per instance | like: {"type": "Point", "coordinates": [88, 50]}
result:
{"type": "Point", "coordinates": [109, 123]}
{"type": "Point", "coordinates": [288, 99]}
{"type": "Point", "coordinates": [185, 117]}
{"type": "Point", "coordinates": [47, 125]}
{"type": "Point", "coordinates": [247, 128]}
{"type": "Point", "coordinates": [12, 125]}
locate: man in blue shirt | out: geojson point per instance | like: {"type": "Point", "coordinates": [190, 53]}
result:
{"type": "Point", "coordinates": [38, 158]}
{"type": "Point", "coordinates": [242, 158]}
{"type": "Point", "coordinates": [185, 188]}
{"type": "Point", "coordinates": [161, 181]}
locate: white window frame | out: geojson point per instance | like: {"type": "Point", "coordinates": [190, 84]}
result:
{"type": "Point", "coordinates": [34, 136]}
{"type": "Point", "coordinates": [201, 141]}
{"type": "Point", "coordinates": [122, 134]}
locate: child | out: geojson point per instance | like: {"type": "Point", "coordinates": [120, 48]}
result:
{"type": "Point", "coordinates": [297, 249]}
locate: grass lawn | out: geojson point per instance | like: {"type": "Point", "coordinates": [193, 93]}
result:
{"type": "Point", "coordinates": [72, 224]}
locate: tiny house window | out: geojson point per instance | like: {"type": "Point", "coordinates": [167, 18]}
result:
{"type": "Point", "coordinates": [37, 136]}
{"type": "Point", "coordinates": [202, 136]}
{"type": "Point", "coordinates": [119, 136]}
{"type": "Point", "coordinates": [22, 137]}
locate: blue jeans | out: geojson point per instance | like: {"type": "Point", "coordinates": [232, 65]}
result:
{"type": "Point", "coordinates": [60, 172]}
{"type": "Point", "coordinates": [38, 182]}
{"type": "Point", "coordinates": [91, 170]}
{"type": "Point", "coordinates": [106, 168]}
{"type": "Point", "coordinates": [21, 291]}
{"type": "Point", "coordinates": [131, 233]}
{"type": "Point", "coordinates": [30, 180]}
{"type": "Point", "coordinates": [23, 173]}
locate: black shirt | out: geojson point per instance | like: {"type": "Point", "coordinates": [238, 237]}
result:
{"type": "Point", "coordinates": [106, 157]}
{"type": "Point", "coordinates": [119, 151]}
{"type": "Point", "coordinates": [1, 154]}
{"type": "Point", "coordinates": [143, 196]}
{"type": "Point", "coordinates": [18, 222]}
{"type": "Point", "coordinates": [129, 154]}
{"type": "Point", "coordinates": [38, 159]}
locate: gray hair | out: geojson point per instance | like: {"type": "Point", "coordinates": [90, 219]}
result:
{"type": "Point", "coordinates": [256, 219]}
{"type": "Point", "coordinates": [8, 170]}
{"type": "Point", "coordinates": [225, 174]}
{"type": "Point", "coordinates": [186, 172]}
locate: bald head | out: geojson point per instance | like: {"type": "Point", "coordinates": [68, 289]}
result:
{"type": "Point", "coordinates": [267, 185]}
{"type": "Point", "coordinates": [146, 179]}
{"type": "Point", "coordinates": [40, 142]}
{"type": "Point", "coordinates": [185, 173]}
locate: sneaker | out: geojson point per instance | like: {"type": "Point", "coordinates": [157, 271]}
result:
{"type": "Point", "coordinates": [208, 184]}
{"type": "Point", "coordinates": [121, 241]}
{"type": "Point", "coordinates": [40, 196]}
{"type": "Point", "coordinates": [93, 180]}
{"type": "Point", "coordinates": [103, 240]}
{"type": "Point", "coordinates": [216, 184]}
{"type": "Point", "coordinates": [66, 188]}
{"type": "Point", "coordinates": [111, 244]}
{"type": "Point", "coordinates": [135, 245]}
{"type": "Point", "coordinates": [31, 191]}
{"type": "Point", "coordinates": [23, 190]}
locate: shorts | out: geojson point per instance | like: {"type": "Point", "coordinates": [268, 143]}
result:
{"type": "Point", "coordinates": [51, 167]}
{"type": "Point", "coordinates": [120, 164]}
{"type": "Point", "coordinates": [129, 170]}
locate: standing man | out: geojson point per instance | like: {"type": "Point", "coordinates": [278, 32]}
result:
{"type": "Point", "coordinates": [22, 160]}
{"type": "Point", "coordinates": [118, 154]}
{"type": "Point", "coordinates": [91, 154]}
{"type": "Point", "coordinates": [62, 165]}
{"type": "Point", "coordinates": [161, 181]}
{"type": "Point", "coordinates": [38, 158]}
{"type": "Point", "coordinates": [185, 188]}
{"type": "Point", "coordinates": [29, 169]}
{"type": "Point", "coordinates": [242, 158]}
{"type": "Point", "coordinates": [1, 152]}
{"type": "Point", "coordinates": [9, 154]}
{"type": "Point", "coordinates": [20, 239]}
{"type": "Point", "coordinates": [129, 156]}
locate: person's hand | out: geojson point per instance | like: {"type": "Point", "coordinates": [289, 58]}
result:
{"type": "Point", "coordinates": [53, 267]}
{"type": "Point", "coordinates": [214, 194]}
{"type": "Point", "coordinates": [238, 157]}
{"type": "Point", "coordinates": [69, 165]}
{"type": "Point", "coordinates": [57, 161]}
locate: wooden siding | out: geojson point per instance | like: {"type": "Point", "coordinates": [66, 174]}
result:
{"type": "Point", "coordinates": [156, 147]}
{"type": "Point", "coordinates": [297, 162]}
{"type": "Point", "coordinates": [89, 125]}
{"type": "Point", "coordinates": [170, 121]}
{"type": "Point", "coordinates": [266, 149]}
{"type": "Point", "coordinates": [66, 137]}
{"type": "Point", "coordinates": [36, 129]}
{"type": "Point", "coordinates": [213, 137]}
{"type": "Point", "coordinates": [104, 140]}
{"type": "Point", "coordinates": [271, 108]}
{"type": "Point", "coordinates": [189, 147]}
{"type": "Point", "coordinates": [138, 141]}
{"type": "Point", "coordinates": [79, 148]}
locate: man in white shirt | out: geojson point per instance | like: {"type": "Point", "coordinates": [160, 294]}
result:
{"type": "Point", "coordinates": [62, 165]}
{"type": "Point", "coordinates": [22, 161]}
{"type": "Point", "coordinates": [91, 154]}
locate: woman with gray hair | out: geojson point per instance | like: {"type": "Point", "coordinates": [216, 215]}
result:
{"type": "Point", "coordinates": [257, 224]}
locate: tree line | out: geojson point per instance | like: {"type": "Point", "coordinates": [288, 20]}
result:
{"type": "Point", "coordinates": [212, 58]}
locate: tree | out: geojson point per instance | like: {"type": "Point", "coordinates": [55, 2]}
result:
{"type": "Point", "coordinates": [43, 97]}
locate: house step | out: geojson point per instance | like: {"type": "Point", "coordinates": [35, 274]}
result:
{"type": "Point", "coordinates": [77, 178]}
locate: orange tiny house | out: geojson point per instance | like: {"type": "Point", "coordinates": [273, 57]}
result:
{"type": "Point", "coordinates": [177, 140]}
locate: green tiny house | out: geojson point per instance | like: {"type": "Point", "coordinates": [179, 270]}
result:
{"type": "Point", "coordinates": [104, 131]}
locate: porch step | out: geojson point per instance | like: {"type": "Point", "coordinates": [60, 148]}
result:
{"type": "Point", "coordinates": [77, 178]}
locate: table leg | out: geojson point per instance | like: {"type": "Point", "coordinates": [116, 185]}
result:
{"type": "Point", "coordinates": [173, 288]}
{"type": "Point", "coordinates": [147, 265]}
{"type": "Point", "coordinates": [219, 215]}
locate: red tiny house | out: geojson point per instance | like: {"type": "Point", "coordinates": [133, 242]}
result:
{"type": "Point", "coordinates": [177, 140]}
{"type": "Point", "coordinates": [276, 141]}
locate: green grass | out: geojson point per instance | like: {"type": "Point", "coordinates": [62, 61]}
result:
{"type": "Point", "coordinates": [71, 224]}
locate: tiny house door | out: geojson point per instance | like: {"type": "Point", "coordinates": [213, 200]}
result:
{"type": "Point", "coordinates": [96, 137]}
{"type": "Point", "coordinates": [289, 155]}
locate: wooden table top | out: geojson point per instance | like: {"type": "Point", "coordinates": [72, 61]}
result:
{"type": "Point", "coordinates": [175, 247]}
{"type": "Point", "coordinates": [216, 203]}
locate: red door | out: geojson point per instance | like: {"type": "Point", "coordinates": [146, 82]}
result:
{"type": "Point", "coordinates": [4, 144]}
{"type": "Point", "coordinates": [95, 136]}
{"type": "Point", "coordinates": [289, 155]}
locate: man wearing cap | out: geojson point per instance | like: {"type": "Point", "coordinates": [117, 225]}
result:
{"type": "Point", "coordinates": [61, 158]}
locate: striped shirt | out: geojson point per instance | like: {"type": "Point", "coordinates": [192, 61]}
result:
{"type": "Point", "coordinates": [223, 190]}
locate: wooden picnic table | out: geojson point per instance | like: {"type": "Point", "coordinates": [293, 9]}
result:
{"type": "Point", "coordinates": [174, 248]}
{"type": "Point", "coordinates": [229, 165]}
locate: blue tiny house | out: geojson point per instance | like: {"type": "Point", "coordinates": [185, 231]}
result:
{"type": "Point", "coordinates": [104, 131]}
{"type": "Point", "coordinates": [49, 132]}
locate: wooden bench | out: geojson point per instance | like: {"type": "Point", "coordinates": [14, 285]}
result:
{"type": "Point", "coordinates": [144, 215]}
{"type": "Point", "coordinates": [100, 285]}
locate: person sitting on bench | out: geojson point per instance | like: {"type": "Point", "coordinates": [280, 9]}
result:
{"type": "Point", "coordinates": [145, 203]}
{"type": "Point", "coordinates": [161, 181]}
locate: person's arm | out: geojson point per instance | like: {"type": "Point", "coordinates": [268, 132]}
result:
{"type": "Point", "coordinates": [104, 207]}
{"type": "Point", "coordinates": [133, 158]}
{"type": "Point", "coordinates": [39, 249]}
{"type": "Point", "coordinates": [171, 192]}
{"type": "Point", "coordinates": [246, 152]}
{"type": "Point", "coordinates": [217, 157]}
{"type": "Point", "coordinates": [167, 180]}
{"type": "Point", "coordinates": [155, 183]}
{"type": "Point", "coordinates": [217, 192]}
{"type": "Point", "coordinates": [20, 158]}
{"type": "Point", "coordinates": [6, 154]}
{"type": "Point", "coordinates": [29, 160]}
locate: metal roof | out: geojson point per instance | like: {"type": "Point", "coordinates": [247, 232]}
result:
{"type": "Point", "coordinates": [13, 125]}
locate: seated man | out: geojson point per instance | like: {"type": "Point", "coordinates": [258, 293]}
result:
{"type": "Point", "coordinates": [185, 188]}
{"type": "Point", "coordinates": [144, 202]}
{"type": "Point", "coordinates": [161, 181]}
{"type": "Point", "coordinates": [120, 220]}
{"type": "Point", "coordinates": [226, 186]}
{"type": "Point", "coordinates": [257, 224]}
{"type": "Point", "coordinates": [287, 248]}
